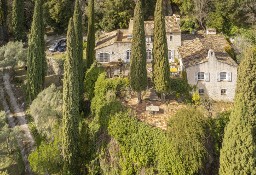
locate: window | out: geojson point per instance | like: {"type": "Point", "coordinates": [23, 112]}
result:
{"type": "Point", "coordinates": [223, 91]}
{"type": "Point", "coordinates": [149, 39]}
{"type": "Point", "coordinates": [171, 38]}
{"type": "Point", "coordinates": [104, 57]}
{"type": "Point", "coordinates": [200, 76]}
{"type": "Point", "coordinates": [149, 54]}
{"type": "Point", "coordinates": [223, 76]}
{"type": "Point", "coordinates": [201, 91]}
{"type": "Point", "coordinates": [128, 54]}
{"type": "Point", "coordinates": [171, 55]}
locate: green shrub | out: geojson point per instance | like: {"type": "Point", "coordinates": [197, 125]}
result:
{"type": "Point", "coordinates": [47, 157]}
{"type": "Point", "coordinates": [91, 77]}
{"type": "Point", "coordinates": [13, 54]}
{"type": "Point", "coordinates": [46, 110]}
{"type": "Point", "coordinates": [189, 131]}
{"type": "Point", "coordinates": [181, 87]}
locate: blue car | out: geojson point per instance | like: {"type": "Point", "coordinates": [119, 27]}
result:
{"type": "Point", "coordinates": [59, 46]}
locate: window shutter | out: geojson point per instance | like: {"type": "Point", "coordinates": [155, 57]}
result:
{"type": "Point", "coordinates": [196, 76]}
{"type": "Point", "coordinates": [218, 76]}
{"type": "Point", "coordinates": [229, 76]}
{"type": "Point", "coordinates": [207, 77]}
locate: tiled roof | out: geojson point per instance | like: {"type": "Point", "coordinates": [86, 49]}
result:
{"type": "Point", "coordinates": [194, 49]}
{"type": "Point", "coordinates": [124, 35]}
{"type": "Point", "coordinates": [171, 25]}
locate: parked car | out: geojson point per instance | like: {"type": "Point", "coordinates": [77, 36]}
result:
{"type": "Point", "coordinates": [59, 45]}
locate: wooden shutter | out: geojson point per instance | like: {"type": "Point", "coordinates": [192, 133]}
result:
{"type": "Point", "coordinates": [218, 76]}
{"type": "Point", "coordinates": [229, 76]}
{"type": "Point", "coordinates": [207, 77]}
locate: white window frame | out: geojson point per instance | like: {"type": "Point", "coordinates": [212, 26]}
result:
{"type": "Point", "coordinates": [128, 54]}
{"type": "Point", "coordinates": [171, 55]}
{"type": "Point", "coordinates": [200, 76]}
{"type": "Point", "coordinates": [223, 76]}
{"type": "Point", "coordinates": [104, 57]}
{"type": "Point", "coordinates": [223, 92]}
{"type": "Point", "coordinates": [201, 91]}
{"type": "Point", "coordinates": [149, 54]}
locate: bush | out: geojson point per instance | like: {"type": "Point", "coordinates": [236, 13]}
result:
{"type": "Point", "coordinates": [180, 86]}
{"type": "Point", "coordinates": [46, 110]}
{"type": "Point", "coordinates": [13, 54]}
{"type": "Point", "coordinates": [90, 78]}
{"type": "Point", "coordinates": [47, 157]}
{"type": "Point", "coordinates": [189, 131]}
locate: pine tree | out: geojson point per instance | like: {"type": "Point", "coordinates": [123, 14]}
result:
{"type": "Point", "coordinates": [36, 63]}
{"type": "Point", "coordinates": [138, 71]}
{"type": "Point", "coordinates": [71, 106]}
{"type": "Point", "coordinates": [90, 53]}
{"type": "Point", "coordinates": [3, 21]}
{"type": "Point", "coordinates": [161, 67]}
{"type": "Point", "coordinates": [18, 19]}
{"type": "Point", "coordinates": [238, 153]}
{"type": "Point", "coordinates": [77, 17]}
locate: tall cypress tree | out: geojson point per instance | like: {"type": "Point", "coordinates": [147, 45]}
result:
{"type": "Point", "coordinates": [138, 71]}
{"type": "Point", "coordinates": [3, 21]}
{"type": "Point", "coordinates": [18, 19]}
{"type": "Point", "coordinates": [238, 153]}
{"type": "Point", "coordinates": [36, 63]}
{"type": "Point", "coordinates": [90, 53]}
{"type": "Point", "coordinates": [161, 67]}
{"type": "Point", "coordinates": [77, 17]}
{"type": "Point", "coordinates": [71, 106]}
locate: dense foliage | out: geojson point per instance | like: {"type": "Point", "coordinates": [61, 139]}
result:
{"type": "Point", "coordinates": [238, 153]}
{"type": "Point", "coordinates": [90, 52]}
{"type": "Point", "coordinates": [70, 141]}
{"type": "Point", "coordinates": [91, 77]}
{"type": "Point", "coordinates": [77, 16]}
{"type": "Point", "coordinates": [161, 67]}
{"type": "Point", "coordinates": [57, 13]}
{"type": "Point", "coordinates": [46, 110]}
{"type": "Point", "coordinates": [18, 20]}
{"type": "Point", "coordinates": [13, 54]}
{"type": "Point", "coordinates": [180, 87]}
{"type": "Point", "coordinates": [36, 61]}
{"type": "Point", "coordinates": [138, 71]}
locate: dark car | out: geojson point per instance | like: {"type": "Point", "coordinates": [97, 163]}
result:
{"type": "Point", "coordinates": [59, 45]}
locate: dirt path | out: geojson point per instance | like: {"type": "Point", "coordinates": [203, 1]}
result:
{"type": "Point", "coordinates": [16, 119]}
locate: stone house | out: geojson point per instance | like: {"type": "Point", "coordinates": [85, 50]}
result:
{"type": "Point", "coordinates": [115, 46]}
{"type": "Point", "coordinates": [209, 67]}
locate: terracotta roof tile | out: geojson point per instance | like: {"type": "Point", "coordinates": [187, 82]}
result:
{"type": "Point", "coordinates": [194, 49]}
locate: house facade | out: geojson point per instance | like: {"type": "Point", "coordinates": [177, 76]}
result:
{"type": "Point", "coordinates": [116, 45]}
{"type": "Point", "coordinates": [209, 67]}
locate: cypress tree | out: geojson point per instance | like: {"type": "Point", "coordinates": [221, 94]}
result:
{"type": "Point", "coordinates": [71, 106]}
{"type": "Point", "coordinates": [77, 17]}
{"type": "Point", "coordinates": [138, 71]}
{"type": "Point", "coordinates": [238, 153]}
{"type": "Point", "coordinates": [18, 19]}
{"type": "Point", "coordinates": [90, 53]}
{"type": "Point", "coordinates": [36, 63]}
{"type": "Point", "coordinates": [161, 67]}
{"type": "Point", "coordinates": [3, 21]}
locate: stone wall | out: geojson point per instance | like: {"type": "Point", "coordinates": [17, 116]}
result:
{"type": "Point", "coordinates": [212, 88]}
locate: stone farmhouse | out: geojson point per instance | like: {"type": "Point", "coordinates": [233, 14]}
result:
{"type": "Point", "coordinates": [116, 46]}
{"type": "Point", "coordinates": [209, 66]}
